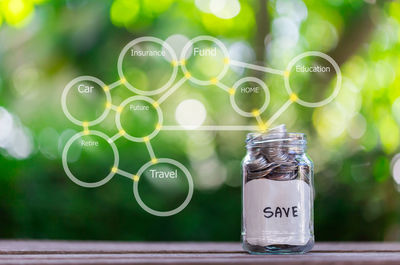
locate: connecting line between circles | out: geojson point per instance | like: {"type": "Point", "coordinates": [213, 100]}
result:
{"type": "Point", "coordinates": [172, 90]}
{"type": "Point", "coordinates": [116, 136]}
{"type": "Point", "coordinates": [262, 126]}
{"type": "Point", "coordinates": [135, 177]}
{"type": "Point", "coordinates": [280, 111]}
{"type": "Point", "coordinates": [115, 84]}
{"type": "Point", "coordinates": [85, 125]}
{"type": "Point", "coordinates": [107, 88]}
{"type": "Point", "coordinates": [230, 90]}
{"type": "Point", "coordinates": [258, 68]}
{"type": "Point", "coordinates": [211, 128]}
{"type": "Point", "coordinates": [151, 151]}
{"type": "Point", "coordinates": [130, 176]}
{"type": "Point", "coordinates": [114, 108]}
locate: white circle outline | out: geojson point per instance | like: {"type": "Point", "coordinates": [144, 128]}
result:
{"type": "Point", "coordinates": [180, 207]}
{"type": "Point", "coordinates": [135, 98]}
{"type": "Point", "coordinates": [191, 43]}
{"type": "Point", "coordinates": [263, 86]}
{"type": "Point", "coordinates": [149, 39]}
{"type": "Point", "coordinates": [335, 92]}
{"type": "Point", "coordinates": [75, 179]}
{"type": "Point", "coordinates": [65, 94]}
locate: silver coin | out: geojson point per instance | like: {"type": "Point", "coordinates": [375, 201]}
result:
{"type": "Point", "coordinates": [271, 158]}
{"type": "Point", "coordinates": [275, 149]}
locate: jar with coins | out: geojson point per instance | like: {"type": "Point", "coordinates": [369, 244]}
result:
{"type": "Point", "coordinates": [278, 193]}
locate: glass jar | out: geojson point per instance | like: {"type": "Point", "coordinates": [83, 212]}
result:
{"type": "Point", "coordinates": [278, 194]}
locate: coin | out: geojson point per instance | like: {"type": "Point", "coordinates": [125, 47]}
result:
{"type": "Point", "coordinates": [270, 157]}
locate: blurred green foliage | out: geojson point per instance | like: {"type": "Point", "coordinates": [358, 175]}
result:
{"type": "Point", "coordinates": [45, 44]}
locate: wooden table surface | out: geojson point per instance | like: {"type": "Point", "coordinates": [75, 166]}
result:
{"type": "Point", "coordinates": [85, 252]}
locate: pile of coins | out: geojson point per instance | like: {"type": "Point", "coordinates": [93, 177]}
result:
{"type": "Point", "coordinates": [273, 155]}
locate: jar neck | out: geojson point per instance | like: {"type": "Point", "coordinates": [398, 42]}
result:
{"type": "Point", "coordinates": [276, 143]}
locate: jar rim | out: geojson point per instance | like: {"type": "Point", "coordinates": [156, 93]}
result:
{"type": "Point", "coordinates": [286, 138]}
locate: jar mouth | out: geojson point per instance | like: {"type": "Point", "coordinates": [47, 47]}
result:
{"type": "Point", "coordinates": [279, 138]}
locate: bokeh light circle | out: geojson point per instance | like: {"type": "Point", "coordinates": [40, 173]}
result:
{"type": "Point", "coordinates": [225, 9]}
{"type": "Point", "coordinates": [395, 167]}
{"type": "Point", "coordinates": [190, 113]}
{"type": "Point", "coordinates": [177, 42]}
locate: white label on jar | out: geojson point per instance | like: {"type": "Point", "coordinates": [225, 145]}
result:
{"type": "Point", "coordinates": [277, 212]}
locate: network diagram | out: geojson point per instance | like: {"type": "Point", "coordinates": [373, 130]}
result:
{"type": "Point", "coordinates": [166, 91]}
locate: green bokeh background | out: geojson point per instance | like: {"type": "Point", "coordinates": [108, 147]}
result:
{"type": "Point", "coordinates": [45, 44]}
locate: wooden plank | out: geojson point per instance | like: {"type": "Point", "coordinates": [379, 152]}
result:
{"type": "Point", "coordinates": [81, 252]}
{"type": "Point", "coordinates": [44, 246]}
{"type": "Point", "coordinates": [15, 247]}
{"type": "Point", "coordinates": [357, 247]}
{"type": "Point", "coordinates": [320, 258]}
